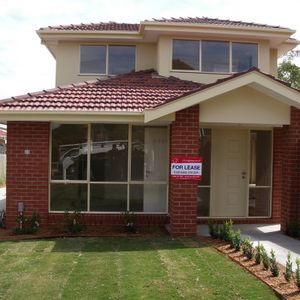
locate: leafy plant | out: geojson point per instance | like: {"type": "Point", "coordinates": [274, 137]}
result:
{"type": "Point", "coordinates": [216, 232]}
{"type": "Point", "coordinates": [274, 266]}
{"type": "Point", "coordinates": [228, 231]}
{"type": "Point", "coordinates": [129, 222]}
{"type": "Point", "coordinates": [265, 258]}
{"type": "Point", "coordinates": [247, 247]}
{"type": "Point", "coordinates": [258, 253]}
{"type": "Point", "coordinates": [292, 227]}
{"type": "Point", "coordinates": [222, 233]}
{"type": "Point", "coordinates": [2, 219]}
{"type": "Point", "coordinates": [297, 275]}
{"type": "Point", "coordinates": [27, 225]}
{"type": "Point", "coordinates": [237, 241]}
{"type": "Point", "coordinates": [74, 222]}
{"type": "Point", "coordinates": [211, 228]}
{"type": "Point", "coordinates": [288, 275]}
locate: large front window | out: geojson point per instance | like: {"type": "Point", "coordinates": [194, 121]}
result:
{"type": "Point", "coordinates": [213, 56]}
{"type": "Point", "coordinates": [107, 59]}
{"type": "Point", "coordinates": [108, 168]}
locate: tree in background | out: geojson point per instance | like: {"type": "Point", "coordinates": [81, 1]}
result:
{"type": "Point", "coordinates": [288, 71]}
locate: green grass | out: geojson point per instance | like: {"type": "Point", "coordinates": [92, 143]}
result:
{"type": "Point", "coordinates": [122, 268]}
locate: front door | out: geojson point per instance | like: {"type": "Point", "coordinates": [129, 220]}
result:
{"type": "Point", "coordinates": [229, 177]}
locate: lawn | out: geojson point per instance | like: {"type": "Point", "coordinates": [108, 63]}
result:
{"type": "Point", "coordinates": [122, 268]}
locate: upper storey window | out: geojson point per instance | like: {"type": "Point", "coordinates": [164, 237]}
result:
{"type": "Point", "coordinates": [107, 60]}
{"type": "Point", "coordinates": [213, 56]}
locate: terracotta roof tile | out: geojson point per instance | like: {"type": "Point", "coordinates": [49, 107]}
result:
{"type": "Point", "coordinates": [114, 26]}
{"type": "Point", "coordinates": [132, 92]}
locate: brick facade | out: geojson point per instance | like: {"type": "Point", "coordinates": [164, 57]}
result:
{"type": "Point", "coordinates": [291, 168]}
{"type": "Point", "coordinates": [27, 175]}
{"type": "Point", "coordinates": [184, 141]}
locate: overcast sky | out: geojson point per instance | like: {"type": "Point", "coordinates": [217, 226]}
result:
{"type": "Point", "coordinates": [27, 66]}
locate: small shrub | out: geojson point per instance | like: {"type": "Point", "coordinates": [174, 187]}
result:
{"type": "Point", "coordinates": [297, 275]}
{"type": "Point", "coordinates": [292, 227]}
{"type": "Point", "coordinates": [211, 228]}
{"type": "Point", "coordinates": [288, 275]}
{"type": "Point", "coordinates": [228, 231]}
{"type": "Point", "coordinates": [274, 266]}
{"type": "Point", "coordinates": [2, 219]}
{"type": "Point", "coordinates": [74, 222]}
{"type": "Point", "coordinates": [265, 258]}
{"type": "Point", "coordinates": [27, 225]}
{"type": "Point", "coordinates": [237, 241]}
{"type": "Point", "coordinates": [258, 253]}
{"type": "Point", "coordinates": [216, 231]}
{"type": "Point", "coordinates": [222, 233]}
{"type": "Point", "coordinates": [129, 222]}
{"type": "Point", "coordinates": [247, 248]}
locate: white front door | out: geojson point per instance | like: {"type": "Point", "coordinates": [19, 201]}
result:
{"type": "Point", "coordinates": [229, 177]}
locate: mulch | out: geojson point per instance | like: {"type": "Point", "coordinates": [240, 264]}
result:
{"type": "Point", "coordinates": [283, 289]}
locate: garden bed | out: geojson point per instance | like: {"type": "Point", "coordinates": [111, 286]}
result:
{"type": "Point", "coordinates": [282, 288]}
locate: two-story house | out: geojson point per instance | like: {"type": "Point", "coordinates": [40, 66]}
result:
{"type": "Point", "coordinates": [132, 97]}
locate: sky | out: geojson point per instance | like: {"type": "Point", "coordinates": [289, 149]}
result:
{"type": "Point", "coordinates": [27, 66]}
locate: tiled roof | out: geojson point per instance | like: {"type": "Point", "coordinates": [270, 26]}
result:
{"type": "Point", "coordinates": [132, 92]}
{"type": "Point", "coordinates": [213, 21]}
{"type": "Point", "coordinates": [113, 26]}
{"type": "Point", "coordinates": [110, 26]}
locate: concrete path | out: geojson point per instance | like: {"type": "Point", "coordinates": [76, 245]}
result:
{"type": "Point", "coordinates": [2, 198]}
{"type": "Point", "coordinates": [270, 236]}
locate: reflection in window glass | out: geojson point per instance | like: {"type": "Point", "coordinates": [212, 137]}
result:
{"type": "Point", "coordinates": [148, 197]}
{"type": "Point", "coordinates": [69, 152]}
{"type": "Point", "coordinates": [205, 153]}
{"type": "Point", "coordinates": [68, 197]}
{"type": "Point", "coordinates": [215, 56]}
{"type": "Point", "coordinates": [93, 59]}
{"type": "Point", "coordinates": [244, 56]}
{"type": "Point", "coordinates": [149, 153]}
{"type": "Point", "coordinates": [108, 197]}
{"type": "Point", "coordinates": [259, 202]}
{"type": "Point", "coordinates": [121, 59]}
{"type": "Point", "coordinates": [109, 152]}
{"type": "Point", "coordinates": [185, 55]}
{"type": "Point", "coordinates": [203, 201]}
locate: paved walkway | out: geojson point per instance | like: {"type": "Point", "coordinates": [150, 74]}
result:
{"type": "Point", "coordinates": [270, 236]}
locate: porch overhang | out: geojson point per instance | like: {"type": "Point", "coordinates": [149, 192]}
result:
{"type": "Point", "coordinates": [265, 84]}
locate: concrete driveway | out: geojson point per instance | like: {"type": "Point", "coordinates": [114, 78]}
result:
{"type": "Point", "coordinates": [270, 236]}
{"type": "Point", "coordinates": [2, 198]}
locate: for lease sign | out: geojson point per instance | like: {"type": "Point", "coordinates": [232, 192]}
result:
{"type": "Point", "coordinates": [186, 168]}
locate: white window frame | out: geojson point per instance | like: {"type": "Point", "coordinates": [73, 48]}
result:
{"type": "Point", "coordinates": [199, 70]}
{"type": "Point", "coordinates": [128, 182]}
{"type": "Point", "coordinates": [106, 59]}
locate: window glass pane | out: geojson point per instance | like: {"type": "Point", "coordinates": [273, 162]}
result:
{"type": "Point", "coordinates": [108, 197]}
{"type": "Point", "coordinates": [93, 59]}
{"type": "Point", "coordinates": [215, 56]}
{"type": "Point", "coordinates": [244, 56]}
{"type": "Point", "coordinates": [260, 162]}
{"type": "Point", "coordinates": [259, 202]}
{"type": "Point", "coordinates": [66, 197]}
{"type": "Point", "coordinates": [148, 197]}
{"type": "Point", "coordinates": [109, 152]}
{"type": "Point", "coordinates": [203, 201]}
{"type": "Point", "coordinates": [185, 55]}
{"type": "Point", "coordinates": [69, 152]}
{"type": "Point", "coordinates": [121, 59]}
{"type": "Point", "coordinates": [205, 153]}
{"type": "Point", "coordinates": [149, 158]}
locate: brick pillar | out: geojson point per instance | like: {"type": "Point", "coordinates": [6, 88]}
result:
{"type": "Point", "coordinates": [291, 168]}
{"type": "Point", "coordinates": [184, 142]}
{"type": "Point", "coordinates": [27, 175]}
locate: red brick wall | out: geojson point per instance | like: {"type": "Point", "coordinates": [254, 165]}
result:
{"type": "Point", "coordinates": [184, 141]}
{"type": "Point", "coordinates": [27, 175]}
{"type": "Point", "coordinates": [291, 168]}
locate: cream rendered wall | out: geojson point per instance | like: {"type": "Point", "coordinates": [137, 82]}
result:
{"type": "Point", "coordinates": [273, 62]}
{"type": "Point", "coordinates": [244, 105]}
{"type": "Point", "coordinates": [164, 61]}
{"type": "Point", "coordinates": [68, 61]}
